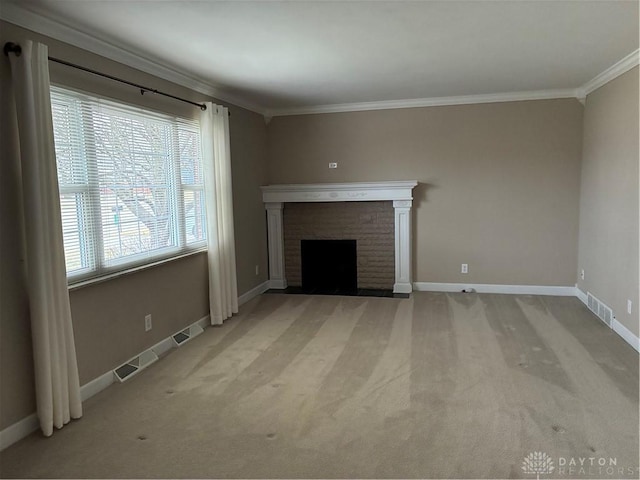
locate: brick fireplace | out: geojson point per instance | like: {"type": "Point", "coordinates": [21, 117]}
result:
{"type": "Point", "coordinates": [370, 224]}
{"type": "Point", "coordinates": [376, 215]}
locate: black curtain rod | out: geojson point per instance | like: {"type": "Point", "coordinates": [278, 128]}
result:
{"type": "Point", "coordinates": [10, 47]}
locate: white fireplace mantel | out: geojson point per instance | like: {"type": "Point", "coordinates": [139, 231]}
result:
{"type": "Point", "coordinates": [400, 192]}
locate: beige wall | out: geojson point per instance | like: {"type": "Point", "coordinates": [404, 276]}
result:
{"type": "Point", "coordinates": [608, 248]}
{"type": "Point", "coordinates": [108, 317]}
{"type": "Point", "coordinates": [249, 170]}
{"type": "Point", "coordinates": [499, 183]}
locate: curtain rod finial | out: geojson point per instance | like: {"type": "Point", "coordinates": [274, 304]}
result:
{"type": "Point", "coordinates": [11, 47]}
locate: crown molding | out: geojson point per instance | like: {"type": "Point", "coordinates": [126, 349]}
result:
{"type": "Point", "coordinates": [426, 102]}
{"type": "Point", "coordinates": [125, 55]}
{"type": "Point", "coordinates": [117, 52]}
{"type": "Point", "coordinates": [614, 71]}
{"type": "Point", "coordinates": [580, 93]}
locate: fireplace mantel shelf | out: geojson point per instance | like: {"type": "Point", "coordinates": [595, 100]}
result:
{"type": "Point", "coordinates": [339, 192]}
{"type": "Point", "coordinates": [400, 192]}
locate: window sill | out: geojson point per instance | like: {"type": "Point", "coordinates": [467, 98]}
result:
{"type": "Point", "coordinates": [129, 271]}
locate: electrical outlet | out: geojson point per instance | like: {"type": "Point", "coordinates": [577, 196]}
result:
{"type": "Point", "coordinates": [582, 274]}
{"type": "Point", "coordinates": [147, 323]}
{"type": "Point", "coordinates": [464, 268]}
{"type": "Point", "coordinates": [629, 306]}
{"type": "Point", "coordinates": [333, 165]}
{"type": "Point", "coordinates": [257, 269]}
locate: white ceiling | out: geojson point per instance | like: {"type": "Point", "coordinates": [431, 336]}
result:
{"type": "Point", "coordinates": [285, 56]}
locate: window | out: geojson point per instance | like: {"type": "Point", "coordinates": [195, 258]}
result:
{"type": "Point", "coordinates": [131, 184]}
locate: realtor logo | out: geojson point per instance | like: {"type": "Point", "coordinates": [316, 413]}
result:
{"type": "Point", "coordinates": [538, 463]}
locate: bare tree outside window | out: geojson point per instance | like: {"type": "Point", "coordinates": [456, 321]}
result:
{"type": "Point", "coordinates": [134, 183]}
{"type": "Point", "coordinates": [131, 183]}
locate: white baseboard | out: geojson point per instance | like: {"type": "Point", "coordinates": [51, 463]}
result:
{"type": "Point", "coordinates": [254, 292]}
{"type": "Point", "coordinates": [30, 424]}
{"type": "Point", "coordinates": [18, 431]}
{"type": "Point", "coordinates": [277, 284]}
{"type": "Point", "coordinates": [402, 288]}
{"type": "Point", "coordinates": [626, 334]}
{"type": "Point", "coordinates": [559, 291]}
{"type": "Point", "coordinates": [204, 322]}
{"type": "Point", "coordinates": [96, 385]}
{"type": "Point", "coordinates": [164, 345]}
{"type": "Point", "coordinates": [581, 295]}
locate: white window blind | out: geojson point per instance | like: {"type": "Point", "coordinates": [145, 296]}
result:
{"type": "Point", "coordinates": [131, 184]}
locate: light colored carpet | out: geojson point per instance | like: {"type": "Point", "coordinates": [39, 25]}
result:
{"type": "Point", "coordinates": [440, 385]}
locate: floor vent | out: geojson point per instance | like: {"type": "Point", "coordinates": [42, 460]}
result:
{"type": "Point", "coordinates": [603, 312]}
{"type": "Point", "coordinates": [135, 365]}
{"type": "Point", "coordinates": [187, 334]}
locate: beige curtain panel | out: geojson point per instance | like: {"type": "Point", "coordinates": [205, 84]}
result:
{"type": "Point", "coordinates": [216, 160]}
{"type": "Point", "coordinates": [56, 370]}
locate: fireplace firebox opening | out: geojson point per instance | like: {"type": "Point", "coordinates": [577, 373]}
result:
{"type": "Point", "coordinates": [329, 267]}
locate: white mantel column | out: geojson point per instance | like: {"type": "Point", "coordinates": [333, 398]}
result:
{"type": "Point", "coordinates": [402, 210]}
{"type": "Point", "coordinates": [276, 245]}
